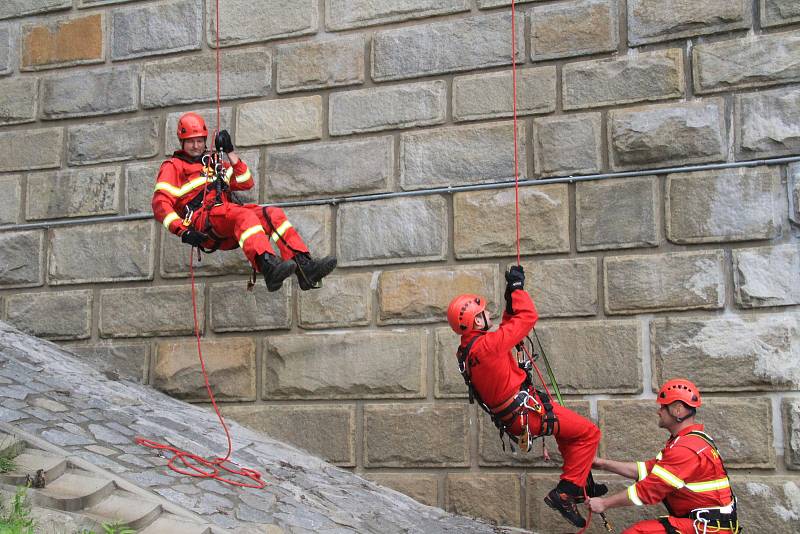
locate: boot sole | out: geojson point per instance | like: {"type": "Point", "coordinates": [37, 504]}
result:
{"type": "Point", "coordinates": [306, 284]}
{"type": "Point", "coordinates": [558, 509]}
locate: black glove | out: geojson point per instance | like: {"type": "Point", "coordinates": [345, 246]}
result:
{"type": "Point", "coordinates": [223, 142]}
{"type": "Point", "coordinates": [515, 279]}
{"type": "Point", "coordinates": [193, 237]}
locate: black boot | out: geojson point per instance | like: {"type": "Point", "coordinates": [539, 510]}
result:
{"type": "Point", "coordinates": [311, 271]}
{"type": "Point", "coordinates": [563, 499]}
{"type": "Point", "coordinates": [274, 270]}
{"type": "Point", "coordinates": [593, 489]}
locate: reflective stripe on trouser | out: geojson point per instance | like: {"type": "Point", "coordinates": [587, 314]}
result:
{"type": "Point", "coordinates": [653, 526]}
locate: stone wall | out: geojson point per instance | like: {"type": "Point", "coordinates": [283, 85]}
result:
{"type": "Point", "coordinates": [637, 278]}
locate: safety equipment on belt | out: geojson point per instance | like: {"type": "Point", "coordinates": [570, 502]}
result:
{"type": "Point", "coordinates": [462, 312]}
{"type": "Point", "coordinates": [191, 125]}
{"type": "Point", "coordinates": [275, 270]}
{"type": "Point", "coordinates": [193, 237]}
{"type": "Point", "coordinates": [311, 271]}
{"type": "Point", "coordinates": [515, 279]}
{"type": "Point", "coordinates": [679, 389]}
{"type": "Point", "coordinates": [222, 141]}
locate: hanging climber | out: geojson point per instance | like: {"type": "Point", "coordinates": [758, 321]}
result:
{"type": "Point", "coordinates": [504, 389]}
{"type": "Point", "coordinates": [688, 475]}
{"type": "Point", "coordinates": [191, 204]}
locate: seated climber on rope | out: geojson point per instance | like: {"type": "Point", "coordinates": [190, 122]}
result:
{"type": "Point", "coordinates": [503, 388]}
{"type": "Point", "coordinates": [688, 475]}
{"type": "Point", "coordinates": [200, 209]}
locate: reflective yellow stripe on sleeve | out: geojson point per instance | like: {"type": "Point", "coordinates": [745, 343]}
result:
{"type": "Point", "coordinates": [633, 496]}
{"type": "Point", "coordinates": [242, 178]}
{"type": "Point", "coordinates": [179, 192]}
{"type": "Point", "coordinates": [668, 477]}
{"type": "Point", "coordinates": [641, 467]}
{"type": "Point", "coordinates": [709, 485]}
{"type": "Point", "coordinates": [171, 216]}
{"type": "Point", "coordinates": [277, 234]}
{"type": "Point", "coordinates": [247, 234]}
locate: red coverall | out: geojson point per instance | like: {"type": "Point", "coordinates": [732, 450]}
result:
{"type": "Point", "coordinates": [180, 180]}
{"type": "Point", "coordinates": [687, 474]}
{"type": "Point", "coordinates": [496, 376]}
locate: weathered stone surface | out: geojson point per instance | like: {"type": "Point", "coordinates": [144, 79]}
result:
{"type": "Point", "coordinates": [461, 155]}
{"type": "Point", "coordinates": [486, 96]}
{"type": "Point", "coordinates": [315, 225]}
{"type": "Point", "coordinates": [177, 81]}
{"type": "Point", "coordinates": [329, 169]}
{"type": "Point", "coordinates": [171, 142]}
{"type": "Point", "coordinates": [752, 353]}
{"type": "Point", "coordinates": [766, 124]}
{"type": "Point", "coordinates": [73, 193]}
{"type": "Point", "coordinates": [346, 14]}
{"type": "Point", "coordinates": [11, 200]}
{"type": "Point", "coordinates": [651, 21]}
{"type": "Point", "coordinates": [738, 63]}
{"type": "Point", "coordinates": [90, 92]}
{"type": "Point", "coordinates": [18, 8]}
{"type": "Point", "coordinates": [172, 27]}
{"type": "Point", "coordinates": [617, 213]}
{"type": "Point", "coordinates": [422, 488]}
{"type": "Point", "coordinates": [568, 144]}
{"type": "Point", "coordinates": [21, 256]}
{"type": "Point", "coordinates": [573, 28]}
{"type": "Point", "coordinates": [318, 64]}
{"type": "Point", "coordinates": [791, 432]}
{"type": "Point", "coordinates": [494, 497]}
{"type": "Point", "coordinates": [101, 142]}
{"type": "Point", "coordinates": [368, 233]}
{"type": "Point", "coordinates": [8, 49]}
{"type": "Point", "coordinates": [32, 149]}
{"type": "Point", "coordinates": [117, 361]}
{"type": "Point", "coordinates": [486, 4]}
{"type": "Point", "coordinates": [667, 134]}
{"type": "Point", "coordinates": [449, 382]}
{"type": "Point", "coordinates": [386, 108]}
{"type": "Point", "coordinates": [94, 253]}
{"type": "Point", "coordinates": [720, 206]}
{"type": "Point", "coordinates": [676, 281]}
{"type": "Point", "coordinates": [422, 295]}
{"type": "Point", "coordinates": [434, 435]}
{"type": "Point", "coordinates": [767, 276]}
{"type": "Point", "coordinates": [793, 184]}
{"type": "Point", "coordinates": [343, 300]}
{"type": "Point", "coordinates": [347, 365]}
{"type": "Point", "coordinates": [140, 178]}
{"type": "Point", "coordinates": [741, 427]}
{"type": "Point", "coordinates": [544, 219]}
{"type": "Point", "coordinates": [230, 364]}
{"type": "Point", "coordinates": [279, 121]}
{"type": "Point", "coordinates": [642, 77]}
{"type": "Point", "coordinates": [451, 46]}
{"type": "Point", "coordinates": [262, 21]}
{"type": "Point", "coordinates": [594, 356]}
{"type": "Point", "coordinates": [769, 502]}
{"type": "Point", "coordinates": [65, 315]}
{"type": "Point", "coordinates": [175, 257]}
{"type": "Point", "coordinates": [63, 42]}
{"type": "Point", "coordinates": [563, 288]}
{"type": "Point", "coordinates": [19, 100]}
{"type": "Point", "coordinates": [150, 311]}
{"type": "Point", "coordinates": [778, 12]}
{"type": "Point", "coordinates": [234, 309]}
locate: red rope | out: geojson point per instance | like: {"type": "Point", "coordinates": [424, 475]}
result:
{"type": "Point", "coordinates": [516, 151]}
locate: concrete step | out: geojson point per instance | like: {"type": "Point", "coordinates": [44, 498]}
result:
{"type": "Point", "coordinates": [29, 462]}
{"type": "Point", "coordinates": [10, 445]}
{"type": "Point", "coordinates": [72, 491]}
{"type": "Point", "coordinates": [172, 524]}
{"type": "Point", "coordinates": [126, 509]}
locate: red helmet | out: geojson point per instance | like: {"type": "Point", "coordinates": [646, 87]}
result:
{"type": "Point", "coordinates": [462, 311]}
{"type": "Point", "coordinates": [679, 389]}
{"type": "Point", "coordinates": [191, 125]}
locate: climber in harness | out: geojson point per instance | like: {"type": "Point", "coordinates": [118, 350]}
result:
{"type": "Point", "coordinates": [503, 388]}
{"type": "Point", "coordinates": [688, 475]}
{"type": "Point", "coordinates": [193, 200]}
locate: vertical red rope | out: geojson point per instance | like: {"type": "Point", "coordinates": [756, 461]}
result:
{"type": "Point", "coordinates": [514, 98]}
{"type": "Point", "coordinates": [218, 68]}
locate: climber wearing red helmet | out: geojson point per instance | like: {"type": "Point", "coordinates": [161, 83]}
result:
{"type": "Point", "coordinates": [688, 475]}
{"type": "Point", "coordinates": [203, 213]}
{"type": "Point", "coordinates": [504, 389]}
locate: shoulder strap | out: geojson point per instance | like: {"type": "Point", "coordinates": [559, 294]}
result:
{"type": "Point", "coordinates": [464, 368]}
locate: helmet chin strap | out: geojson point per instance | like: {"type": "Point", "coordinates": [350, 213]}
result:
{"type": "Point", "coordinates": [485, 322]}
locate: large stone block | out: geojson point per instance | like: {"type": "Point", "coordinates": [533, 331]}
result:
{"type": "Point", "coordinates": [279, 121]}
{"type": "Point", "coordinates": [90, 92]}
{"type": "Point", "coordinates": [325, 431]}
{"type": "Point", "coordinates": [320, 64]}
{"type": "Point", "coordinates": [178, 81]}
{"type": "Point", "coordinates": [32, 149]}
{"type": "Point", "coordinates": [420, 487]}
{"type": "Point", "coordinates": [494, 497]}
{"type": "Point", "coordinates": [487, 96]}
{"type": "Point", "coordinates": [767, 276]}
{"type": "Point", "coordinates": [720, 206]}
{"type": "Point", "coordinates": [449, 382]}
{"type": "Point", "coordinates": [315, 225]}
{"type": "Point", "coordinates": [63, 42]}
{"type": "Point", "coordinates": [422, 295]}
{"type": "Point", "coordinates": [651, 21]}
{"type": "Point", "coordinates": [108, 252]}
{"type": "Point", "coordinates": [793, 185]}
{"type": "Point", "coordinates": [617, 213]}
{"type": "Point", "coordinates": [172, 27]}
{"type": "Point", "coordinates": [738, 63]}
{"type": "Point", "coordinates": [791, 420]}
{"type": "Point", "coordinates": [229, 363]}
{"type": "Point", "coordinates": [175, 258]}
{"type": "Point", "coordinates": [544, 220]}
{"type": "Point", "coordinates": [65, 315]}
{"type": "Point", "coordinates": [73, 193]}
{"type": "Point", "coordinates": [434, 435]}
{"type": "Point", "coordinates": [766, 124]}
{"type": "Point", "coordinates": [594, 356]}
{"type": "Point", "coordinates": [768, 503]}
{"type": "Point", "coordinates": [21, 255]}
{"type": "Point", "coordinates": [347, 365]}
{"type": "Point", "coordinates": [262, 21]}
{"type": "Point", "coordinates": [405, 230]}
{"type": "Point", "coordinates": [329, 169]}
{"type": "Point", "coordinates": [235, 309]}
{"type": "Point", "coordinates": [387, 108]}
{"type": "Point", "coordinates": [642, 77]}
{"type": "Point", "coordinates": [101, 142]}
{"type": "Point", "coordinates": [11, 200]}
{"type": "Point", "coordinates": [19, 8]}
{"type": "Point", "coordinates": [8, 49]}
{"type": "Point", "coordinates": [150, 311]}
{"type": "Point", "coordinates": [116, 361]}
{"type": "Point", "coordinates": [568, 144]}
{"type": "Point", "coordinates": [343, 300]}
{"type": "Point", "coordinates": [779, 12]}
{"type": "Point", "coordinates": [346, 14]}
{"type": "Point", "coordinates": [140, 178]}
{"type": "Point", "coordinates": [19, 100]}
{"type": "Point", "coordinates": [563, 288]}
{"type": "Point", "coordinates": [475, 42]}
{"type": "Point", "coordinates": [667, 134]}
{"type": "Point", "coordinates": [674, 281]}
{"type": "Point", "coordinates": [750, 353]}
{"type": "Point", "coordinates": [573, 28]}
